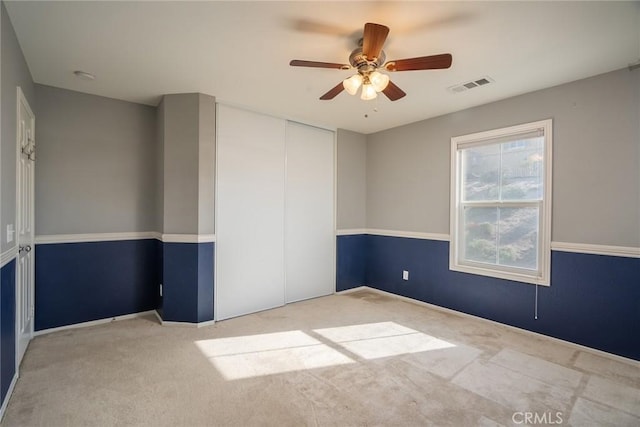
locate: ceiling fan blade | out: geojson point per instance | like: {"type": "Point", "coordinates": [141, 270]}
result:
{"type": "Point", "coordinates": [333, 92]}
{"type": "Point", "coordinates": [393, 92]}
{"type": "Point", "coordinates": [432, 62]}
{"type": "Point", "coordinates": [317, 27]}
{"type": "Point", "coordinates": [373, 39]}
{"type": "Point", "coordinates": [315, 64]}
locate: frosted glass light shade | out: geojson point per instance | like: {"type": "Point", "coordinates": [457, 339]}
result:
{"type": "Point", "coordinates": [379, 81]}
{"type": "Point", "coordinates": [352, 84]}
{"type": "Point", "coordinates": [368, 92]}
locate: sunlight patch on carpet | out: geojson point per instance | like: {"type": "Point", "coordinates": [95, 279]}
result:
{"type": "Point", "coordinates": [383, 339]}
{"type": "Point", "coordinates": [279, 352]}
{"type": "Point", "coordinates": [268, 354]}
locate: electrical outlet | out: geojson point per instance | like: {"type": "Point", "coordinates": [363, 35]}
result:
{"type": "Point", "coordinates": [10, 231]}
{"type": "Point", "coordinates": [405, 275]}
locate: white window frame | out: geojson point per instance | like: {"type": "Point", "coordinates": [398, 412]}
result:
{"type": "Point", "coordinates": [543, 275]}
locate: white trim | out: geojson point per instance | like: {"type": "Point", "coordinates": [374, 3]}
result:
{"type": "Point", "coordinates": [93, 323]}
{"type": "Point", "coordinates": [158, 317]}
{"type": "Point", "coordinates": [95, 237]}
{"type": "Point", "coordinates": [352, 290]}
{"type": "Point", "coordinates": [584, 248]}
{"type": "Point", "coordinates": [7, 397]}
{"type": "Point", "coordinates": [457, 258]}
{"type": "Point", "coordinates": [351, 231]}
{"type": "Point", "coordinates": [188, 238]}
{"type": "Point", "coordinates": [335, 209]}
{"type": "Point", "coordinates": [492, 134]}
{"type": "Point", "coordinates": [504, 325]}
{"type": "Point", "coordinates": [500, 274]}
{"type": "Point", "coordinates": [134, 235]}
{"type": "Point", "coordinates": [393, 233]}
{"type": "Point", "coordinates": [408, 234]}
{"type": "Point", "coordinates": [216, 207]}
{"type": "Point", "coordinates": [24, 215]}
{"type": "Point", "coordinates": [9, 255]}
{"type": "Point", "coordinates": [182, 324]}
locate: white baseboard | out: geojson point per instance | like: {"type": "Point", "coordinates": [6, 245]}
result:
{"type": "Point", "coordinates": [356, 289]}
{"type": "Point", "coordinates": [3, 408]}
{"type": "Point", "coordinates": [504, 325]}
{"type": "Point", "coordinates": [183, 324]}
{"type": "Point", "coordinates": [123, 317]}
{"type": "Point", "coordinates": [93, 322]}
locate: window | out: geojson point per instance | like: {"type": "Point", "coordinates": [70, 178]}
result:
{"type": "Point", "coordinates": [501, 203]}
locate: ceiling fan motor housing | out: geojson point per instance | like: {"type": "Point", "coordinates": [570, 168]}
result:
{"type": "Point", "coordinates": [364, 65]}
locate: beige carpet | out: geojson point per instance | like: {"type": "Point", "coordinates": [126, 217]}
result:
{"type": "Point", "coordinates": [343, 360]}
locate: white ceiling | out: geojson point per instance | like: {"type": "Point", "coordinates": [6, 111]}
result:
{"type": "Point", "coordinates": [239, 51]}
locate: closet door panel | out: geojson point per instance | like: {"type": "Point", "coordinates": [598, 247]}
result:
{"type": "Point", "coordinates": [250, 212]}
{"type": "Point", "coordinates": [309, 213]}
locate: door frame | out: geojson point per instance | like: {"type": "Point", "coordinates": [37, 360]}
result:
{"type": "Point", "coordinates": [21, 99]}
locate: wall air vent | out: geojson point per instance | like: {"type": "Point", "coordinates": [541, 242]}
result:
{"type": "Point", "coordinates": [470, 85]}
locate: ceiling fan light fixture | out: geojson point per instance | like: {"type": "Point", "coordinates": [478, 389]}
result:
{"type": "Point", "coordinates": [352, 84]}
{"type": "Point", "coordinates": [379, 81]}
{"type": "Point", "coordinates": [368, 92]}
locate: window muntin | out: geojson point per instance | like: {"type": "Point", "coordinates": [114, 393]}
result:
{"type": "Point", "coordinates": [500, 206]}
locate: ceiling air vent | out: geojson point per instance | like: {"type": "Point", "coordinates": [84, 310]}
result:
{"type": "Point", "coordinates": [470, 85]}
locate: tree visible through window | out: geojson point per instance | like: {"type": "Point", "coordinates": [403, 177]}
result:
{"type": "Point", "coordinates": [501, 203]}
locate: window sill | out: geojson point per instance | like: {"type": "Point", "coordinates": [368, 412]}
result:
{"type": "Point", "coordinates": [506, 275]}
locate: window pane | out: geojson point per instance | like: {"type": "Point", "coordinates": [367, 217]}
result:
{"type": "Point", "coordinates": [480, 228]}
{"type": "Point", "coordinates": [518, 237]}
{"type": "Point", "coordinates": [502, 203]}
{"type": "Point", "coordinates": [481, 173]}
{"type": "Point", "coordinates": [522, 170]}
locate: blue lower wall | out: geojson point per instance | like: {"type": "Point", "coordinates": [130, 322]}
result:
{"type": "Point", "coordinates": [80, 282]}
{"type": "Point", "coordinates": [593, 300]}
{"type": "Point", "coordinates": [205, 281]}
{"type": "Point", "coordinates": [7, 327]}
{"type": "Point", "coordinates": [187, 282]}
{"type": "Point", "coordinates": [351, 261]}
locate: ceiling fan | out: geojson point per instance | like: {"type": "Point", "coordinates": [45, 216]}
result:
{"type": "Point", "coordinates": [368, 60]}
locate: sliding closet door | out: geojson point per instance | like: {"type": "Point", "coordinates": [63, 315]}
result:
{"type": "Point", "coordinates": [309, 213]}
{"type": "Point", "coordinates": [250, 212]}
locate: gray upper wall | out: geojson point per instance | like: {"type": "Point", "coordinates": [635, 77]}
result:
{"type": "Point", "coordinates": [206, 163]}
{"type": "Point", "coordinates": [160, 167]}
{"type": "Point", "coordinates": [96, 168]}
{"type": "Point", "coordinates": [188, 144]}
{"type": "Point", "coordinates": [181, 135]}
{"type": "Point", "coordinates": [596, 161]}
{"type": "Point", "coordinates": [351, 180]}
{"type": "Point", "coordinates": [14, 72]}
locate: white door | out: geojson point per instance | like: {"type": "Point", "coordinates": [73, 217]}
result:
{"type": "Point", "coordinates": [249, 212]}
{"type": "Point", "coordinates": [309, 226]}
{"type": "Point", "coordinates": [24, 221]}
